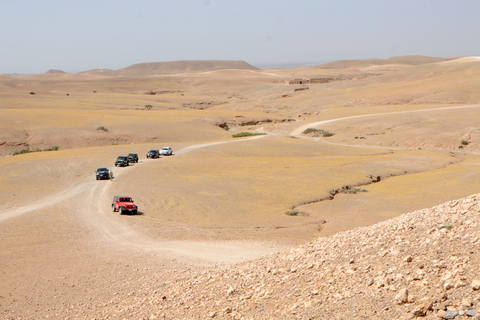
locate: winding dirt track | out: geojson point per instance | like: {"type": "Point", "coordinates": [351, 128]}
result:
{"type": "Point", "coordinates": [111, 227]}
{"type": "Point", "coordinates": [302, 128]}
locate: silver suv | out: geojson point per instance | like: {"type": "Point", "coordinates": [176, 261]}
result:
{"type": "Point", "coordinates": [166, 151]}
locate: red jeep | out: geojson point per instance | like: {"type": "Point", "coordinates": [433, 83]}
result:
{"type": "Point", "coordinates": [123, 204]}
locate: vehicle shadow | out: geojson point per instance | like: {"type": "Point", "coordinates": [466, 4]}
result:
{"type": "Point", "coordinates": [139, 213]}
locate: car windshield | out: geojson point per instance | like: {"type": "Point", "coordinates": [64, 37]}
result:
{"type": "Point", "coordinates": [126, 199]}
{"type": "Point", "coordinates": [102, 169]}
{"type": "Point", "coordinates": [153, 151]}
{"type": "Point", "coordinates": [165, 148]}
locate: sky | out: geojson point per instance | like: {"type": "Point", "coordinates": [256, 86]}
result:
{"type": "Point", "coordinates": [80, 35]}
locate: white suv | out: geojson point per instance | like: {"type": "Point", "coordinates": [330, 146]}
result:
{"type": "Point", "coordinates": [166, 151]}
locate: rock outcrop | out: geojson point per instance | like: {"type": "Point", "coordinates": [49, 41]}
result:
{"type": "Point", "coordinates": [422, 264]}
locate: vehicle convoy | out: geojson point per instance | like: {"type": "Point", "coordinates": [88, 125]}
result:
{"type": "Point", "coordinates": [166, 151]}
{"type": "Point", "coordinates": [124, 205]}
{"type": "Point", "coordinates": [132, 157]}
{"type": "Point", "coordinates": [153, 154]}
{"type": "Point", "coordinates": [102, 174]}
{"type": "Point", "coordinates": [122, 161]}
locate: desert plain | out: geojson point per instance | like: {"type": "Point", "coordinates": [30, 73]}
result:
{"type": "Point", "coordinates": [325, 149]}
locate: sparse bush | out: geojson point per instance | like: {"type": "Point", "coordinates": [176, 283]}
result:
{"type": "Point", "coordinates": [148, 107]}
{"type": "Point", "coordinates": [54, 148]}
{"type": "Point", "coordinates": [318, 132]}
{"type": "Point", "coordinates": [353, 191]}
{"type": "Point", "coordinates": [310, 130]}
{"type": "Point", "coordinates": [291, 213]}
{"type": "Point", "coordinates": [465, 142]}
{"type": "Point", "coordinates": [247, 134]}
{"type": "Point", "coordinates": [22, 151]}
{"type": "Point", "coordinates": [102, 128]}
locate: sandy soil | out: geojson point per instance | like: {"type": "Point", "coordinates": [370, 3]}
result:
{"type": "Point", "coordinates": [218, 200]}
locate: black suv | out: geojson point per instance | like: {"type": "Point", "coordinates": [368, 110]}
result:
{"type": "Point", "coordinates": [102, 174]}
{"type": "Point", "coordinates": [122, 161]}
{"type": "Point", "coordinates": [132, 157]}
{"type": "Point", "coordinates": [153, 154]}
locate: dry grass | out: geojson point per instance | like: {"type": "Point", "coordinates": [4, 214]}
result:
{"type": "Point", "coordinates": [248, 184]}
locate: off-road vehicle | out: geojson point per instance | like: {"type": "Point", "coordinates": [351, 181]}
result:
{"type": "Point", "coordinates": [123, 205]}
{"type": "Point", "coordinates": [122, 161]}
{"type": "Point", "coordinates": [153, 154]}
{"type": "Point", "coordinates": [132, 157]}
{"type": "Point", "coordinates": [102, 174]}
{"type": "Point", "coordinates": [166, 151]}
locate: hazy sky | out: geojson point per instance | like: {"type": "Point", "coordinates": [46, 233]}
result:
{"type": "Point", "coordinates": [80, 35]}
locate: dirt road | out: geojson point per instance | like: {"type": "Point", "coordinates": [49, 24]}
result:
{"type": "Point", "coordinates": [112, 228]}
{"type": "Point", "coordinates": [94, 209]}
{"type": "Point", "coordinates": [302, 128]}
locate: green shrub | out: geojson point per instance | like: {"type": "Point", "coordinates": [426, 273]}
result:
{"type": "Point", "coordinates": [318, 132]}
{"type": "Point", "coordinates": [247, 134]}
{"type": "Point", "coordinates": [310, 130]}
{"type": "Point", "coordinates": [22, 151]}
{"type": "Point", "coordinates": [465, 142]}
{"type": "Point", "coordinates": [53, 148]}
{"type": "Point", "coordinates": [291, 213]}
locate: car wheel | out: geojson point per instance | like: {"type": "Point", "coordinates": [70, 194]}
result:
{"type": "Point", "coordinates": [113, 208]}
{"type": "Point", "coordinates": [120, 210]}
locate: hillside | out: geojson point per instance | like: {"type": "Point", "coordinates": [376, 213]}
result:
{"type": "Point", "coordinates": [403, 60]}
{"type": "Point", "coordinates": [420, 265]}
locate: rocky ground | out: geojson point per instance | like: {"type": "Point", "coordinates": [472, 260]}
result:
{"type": "Point", "coordinates": [424, 264]}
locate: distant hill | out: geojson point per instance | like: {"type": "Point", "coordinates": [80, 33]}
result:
{"type": "Point", "coordinates": [406, 60]}
{"type": "Point", "coordinates": [53, 71]}
{"type": "Point", "coordinates": [100, 72]}
{"type": "Point", "coordinates": [184, 66]}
